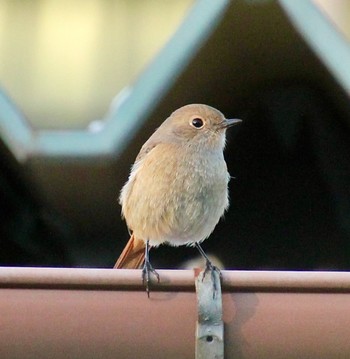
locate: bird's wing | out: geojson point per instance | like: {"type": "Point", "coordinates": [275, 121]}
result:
{"type": "Point", "coordinates": [151, 143]}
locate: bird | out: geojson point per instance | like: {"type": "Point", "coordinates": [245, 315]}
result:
{"type": "Point", "coordinates": [177, 189]}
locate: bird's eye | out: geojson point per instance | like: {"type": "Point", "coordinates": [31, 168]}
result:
{"type": "Point", "coordinates": [197, 122]}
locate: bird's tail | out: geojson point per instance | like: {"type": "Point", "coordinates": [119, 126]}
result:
{"type": "Point", "coordinates": [133, 255]}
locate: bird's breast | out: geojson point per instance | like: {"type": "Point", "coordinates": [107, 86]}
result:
{"type": "Point", "coordinates": [176, 196]}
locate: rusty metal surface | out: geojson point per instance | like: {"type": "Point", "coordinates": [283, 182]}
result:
{"type": "Point", "coordinates": [94, 313]}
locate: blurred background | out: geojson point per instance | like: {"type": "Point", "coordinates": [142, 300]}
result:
{"type": "Point", "coordinates": [64, 61]}
{"type": "Point", "coordinates": [62, 65]}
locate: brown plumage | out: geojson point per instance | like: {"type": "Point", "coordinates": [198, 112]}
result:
{"type": "Point", "coordinates": [177, 188]}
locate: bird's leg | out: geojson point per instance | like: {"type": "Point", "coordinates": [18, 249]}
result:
{"type": "Point", "coordinates": [209, 267]}
{"type": "Point", "coordinates": [147, 269]}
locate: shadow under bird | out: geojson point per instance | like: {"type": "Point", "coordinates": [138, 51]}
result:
{"type": "Point", "coordinates": [177, 189]}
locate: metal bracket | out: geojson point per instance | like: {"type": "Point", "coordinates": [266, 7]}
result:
{"type": "Point", "coordinates": [210, 327]}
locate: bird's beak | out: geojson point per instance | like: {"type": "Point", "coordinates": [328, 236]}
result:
{"type": "Point", "coordinates": [232, 122]}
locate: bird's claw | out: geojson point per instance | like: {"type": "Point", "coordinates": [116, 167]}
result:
{"type": "Point", "coordinates": [146, 275]}
{"type": "Point", "coordinates": [209, 267]}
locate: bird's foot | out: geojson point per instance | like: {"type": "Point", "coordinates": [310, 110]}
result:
{"type": "Point", "coordinates": [146, 275]}
{"type": "Point", "coordinates": [209, 267]}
